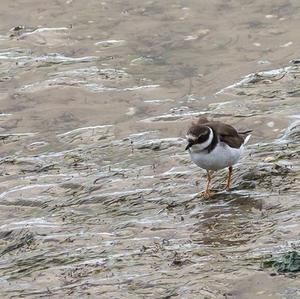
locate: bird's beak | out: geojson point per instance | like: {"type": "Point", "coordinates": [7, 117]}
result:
{"type": "Point", "coordinates": [188, 146]}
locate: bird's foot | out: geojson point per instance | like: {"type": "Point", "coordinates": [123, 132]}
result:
{"type": "Point", "coordinates": [207, 194]}
{"type": "Point", "coordinates": [226, 188]}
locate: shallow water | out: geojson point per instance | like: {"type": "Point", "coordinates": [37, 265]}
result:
{"type": "Point", "coordinates": [98, 197]}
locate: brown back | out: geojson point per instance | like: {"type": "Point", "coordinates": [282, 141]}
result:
{"type": "Point", "coordinates": [227, 133]}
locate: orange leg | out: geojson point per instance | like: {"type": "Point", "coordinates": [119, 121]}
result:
{"type": "Point", "coordinates": [207, 193]}
{"type": "Point", "coordinates": [228, 183]}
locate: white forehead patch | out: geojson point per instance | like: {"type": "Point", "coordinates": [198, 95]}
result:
{"type": "Point", "coordinates": [191, 137]}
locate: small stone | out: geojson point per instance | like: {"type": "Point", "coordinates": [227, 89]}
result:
{"type": "Point", "coordinates": [269, 159]}
{"type": "Point", "coordinates": [286, 45]}
{"type": "Point", "coordinates": [270, 16]}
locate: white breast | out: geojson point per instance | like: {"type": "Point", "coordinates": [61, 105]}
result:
{"type": "Point", "coordinates": [220, 157]}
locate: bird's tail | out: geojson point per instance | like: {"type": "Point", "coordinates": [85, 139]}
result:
{"type": "Point", "coordinates": [245, 132]}
{"type": "Point", "coordinates": [247, 139]}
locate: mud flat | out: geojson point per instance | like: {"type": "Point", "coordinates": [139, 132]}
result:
{"type": "Point", "coordinates": [98, 197]}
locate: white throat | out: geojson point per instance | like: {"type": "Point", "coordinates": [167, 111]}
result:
{"type": "Point", "coordinates": [201, 146]}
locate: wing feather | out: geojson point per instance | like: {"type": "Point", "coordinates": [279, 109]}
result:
{"type": "Point", "coordinates": [227, 134]}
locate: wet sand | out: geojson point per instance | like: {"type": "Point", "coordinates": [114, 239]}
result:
{"type": "Point", "coordinates": [98, 197]}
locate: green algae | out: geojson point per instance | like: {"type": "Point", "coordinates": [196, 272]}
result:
{"type": "Point", "coordinates": [288, 262]}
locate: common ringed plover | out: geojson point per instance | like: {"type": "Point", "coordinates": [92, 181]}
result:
{"type": "Point", "coordinates": [214, 145]}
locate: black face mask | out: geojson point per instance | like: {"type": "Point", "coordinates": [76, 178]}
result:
{"type": "Point", "coordinates": [200, 139]}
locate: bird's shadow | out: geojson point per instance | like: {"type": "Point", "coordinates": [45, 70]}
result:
{"type": "Point", "coordinates": [247, 199]}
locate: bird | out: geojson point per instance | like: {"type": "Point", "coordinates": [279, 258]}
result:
{"type": "Point", "coordinates": [214, 145]}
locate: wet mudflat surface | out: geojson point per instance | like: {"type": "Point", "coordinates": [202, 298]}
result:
{"type": "Point", "coordinates": [97, 196]}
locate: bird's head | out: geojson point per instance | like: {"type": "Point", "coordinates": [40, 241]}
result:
{"type": "Point", "coordinates": [199, 136]}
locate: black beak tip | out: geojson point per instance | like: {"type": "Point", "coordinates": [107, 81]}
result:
{"type": "Point", "coordinates": [187, 147]}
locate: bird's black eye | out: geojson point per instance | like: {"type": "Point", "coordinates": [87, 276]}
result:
{"type": "Point", "coordinates": [202, 138]}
